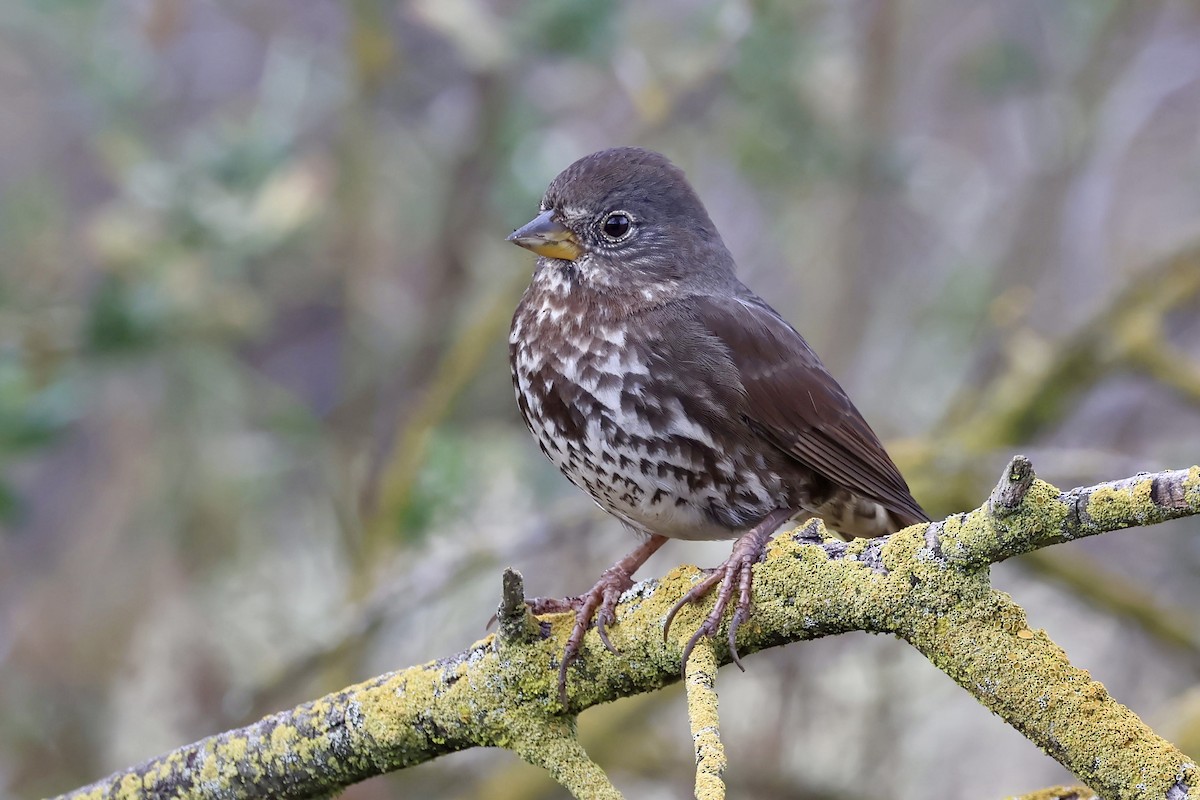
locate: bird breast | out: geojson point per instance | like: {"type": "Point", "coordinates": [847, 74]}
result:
{"type": "Point", "coordinates": [603, 408]}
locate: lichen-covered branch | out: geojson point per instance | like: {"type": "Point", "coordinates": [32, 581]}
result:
{"type": "Point", "coordinates": [928, 584]}
{"type": "Point", "coordinates": [1014, 527]}
{"type": "Point", "coordinates": [553, 746]}
{"type": "Point", "coordinates": [705, 723]}
{"type": "Point", "coordinates": [1022, 676]}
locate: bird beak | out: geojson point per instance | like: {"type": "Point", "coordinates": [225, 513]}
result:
{"type": "Point", "coordinates": [546, 236]}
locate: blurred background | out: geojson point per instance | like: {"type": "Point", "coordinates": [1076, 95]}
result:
{"type": "Point", "coordinates": [258, 433]}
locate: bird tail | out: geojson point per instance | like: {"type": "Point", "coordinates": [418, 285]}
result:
{"type": "Point", "coordinates": [860, 517]}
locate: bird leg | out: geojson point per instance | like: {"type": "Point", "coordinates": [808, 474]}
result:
{"type": "Point", "coordinates": [735, 572]}
{"type": "Point", "coordinates": [599, 602]}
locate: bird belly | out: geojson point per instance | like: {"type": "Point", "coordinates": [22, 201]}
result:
{"type": "Point", "coordinates": [644, 490]}
{"type": "Point", "coordinates": [629, 443]}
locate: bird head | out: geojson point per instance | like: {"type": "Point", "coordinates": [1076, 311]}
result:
{"type": "Point", "coordinates": [626, 215]}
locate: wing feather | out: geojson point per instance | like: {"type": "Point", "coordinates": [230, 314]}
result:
{"type": "Point", "coordinates": [796, 405]}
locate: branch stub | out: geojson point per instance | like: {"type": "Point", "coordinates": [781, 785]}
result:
{"type": "Point", "coordinates": [1010, 492]}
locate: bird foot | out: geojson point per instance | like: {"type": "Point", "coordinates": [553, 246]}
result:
{"type": "Point", "coordinates": [735, 574]}
{"type": "Point", "coordinates": [598, 604]}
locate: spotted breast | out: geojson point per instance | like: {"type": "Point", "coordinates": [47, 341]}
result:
{"type": "Point", "coordinates": [595, 383]}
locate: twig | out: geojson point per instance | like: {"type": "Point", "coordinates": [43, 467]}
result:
{"type": "Point", "coordinates": [705, 723]}
{"type": "Point", "coordinates": [555, 748]}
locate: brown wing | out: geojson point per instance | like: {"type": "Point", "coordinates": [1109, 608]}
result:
{"type": "Point", "coordinates": [794, 403]}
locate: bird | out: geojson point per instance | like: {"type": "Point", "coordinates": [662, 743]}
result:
{"type": "Point", "coordinates": [674, 396]}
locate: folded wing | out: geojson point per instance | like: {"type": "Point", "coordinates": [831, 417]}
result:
{"type": "Point", "coordinates": [795, 404]}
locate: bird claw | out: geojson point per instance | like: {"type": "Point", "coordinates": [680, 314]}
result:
{"type": "Point", "coordinates": [597, 605]}
{"type": "Point", "coordinates": [539, 606]}
{"type": "Point", "coordinates": [604, 618]}
{"type": "Point", "coordinates": [736, 572]}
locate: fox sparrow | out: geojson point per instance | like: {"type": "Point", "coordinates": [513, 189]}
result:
{"type": "Point", "coordinates": [680, 401]}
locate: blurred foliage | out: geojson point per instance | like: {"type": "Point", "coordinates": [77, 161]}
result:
{"type": "Point", "coordinates": [256, 430]}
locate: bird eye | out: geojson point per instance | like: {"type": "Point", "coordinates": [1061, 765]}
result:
{"type": "Point", "coordinates": [617, 225]}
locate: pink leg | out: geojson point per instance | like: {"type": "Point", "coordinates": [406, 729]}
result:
{"type": "Point", "coordinates": [736, 571]}
{"type": "Point", "coordinates": [599, 602]}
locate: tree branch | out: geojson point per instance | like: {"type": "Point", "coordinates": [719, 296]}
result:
{"type": "Point", "coordinates": [1014, 528]}
{"type": "Point", "coordinates": [928, 584]}
{"type": "Point", "coordinates": [705, 723]}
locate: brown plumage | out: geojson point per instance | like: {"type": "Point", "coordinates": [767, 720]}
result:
{"type": "Point", "coordinates": [672, 394]}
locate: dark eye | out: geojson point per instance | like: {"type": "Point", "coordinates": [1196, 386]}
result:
{"type": "Point", "coordinates": [616, 225]}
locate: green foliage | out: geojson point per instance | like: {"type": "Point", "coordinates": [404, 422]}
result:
{"type": "Point", "coordinates": [1002, 67]}
{"type": "Point", "coordinates": [573, 28]}
{"type": "Point", "coordinates": [32, 414]}
{"type": "Point", "coordinates": [444, 483]}
{"type": "Point", "coordinates": [778, 136]}
{"type": "Point", "coordinates": [124, 316]}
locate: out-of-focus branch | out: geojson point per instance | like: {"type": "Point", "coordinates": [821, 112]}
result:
{"type": "Point", "coordinates": [1111, 592]}
{"type": "Point", "coordinates": [1044, 380]}
{"type": "Point", "coordinates": [453, 373]}
{"type": "Point", "coordinates": [928, 584]}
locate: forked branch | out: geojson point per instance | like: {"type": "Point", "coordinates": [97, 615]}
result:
{"type": "Point", "coordinates": [928, 584]}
